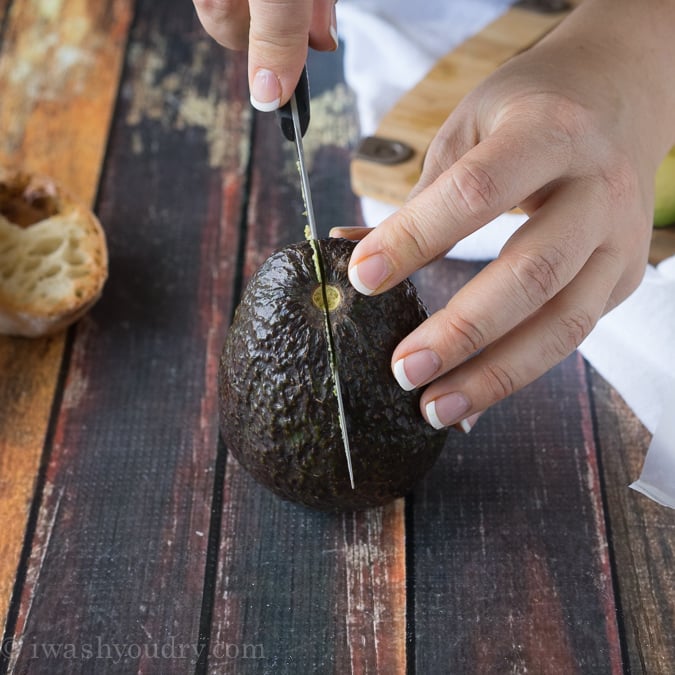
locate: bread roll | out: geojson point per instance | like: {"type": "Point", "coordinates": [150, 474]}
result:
{"type": "Point", "coordinates": [53, 256]}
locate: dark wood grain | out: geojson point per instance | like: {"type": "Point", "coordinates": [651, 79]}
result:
{"type": "Point", "coordinates": [120, 546]}
{"type": "Point", "coordinates": [510, 551]}
{"type": "Point", "coordinates": [54, 119]}
{"type": "Point", "coordinates": [142, 547]}
{"type": "Point", "coordinates": [642, 537]}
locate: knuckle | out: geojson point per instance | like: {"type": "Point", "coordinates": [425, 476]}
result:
{"type": "Point", "coordinates": [219, 11]}
{"type": "Point", "coordinates": [272, 45]}
{"type": "Point", "coordinates": [443, 152]}
{"type": "Point", "coordinates": [568, 120]}
{"type": "Point", "coordinates": [225, 20]}
{"type": "Point", "coordinates": [409, 241]}
{"type": "Point", "coordinates": [631, 278]}
{"type": "Point", "coordinates": [632, 262]}
{"type": "Point", "coordinates": [279, 26]}
{"type": "Point", "coordinates": [497, 381]}
{"type": "Point", "coordinates": [464, 335]}
{"type": "Point", "coordinates": [537, 274]}
{"type": "Point", "coordinates": [470, 189]}
{"type": "Point", "coordinates": [572, 124]}
{"type": "Point", "coordinates": [569, 331]}
{"type": "Point", "coordinates": [620, 182]}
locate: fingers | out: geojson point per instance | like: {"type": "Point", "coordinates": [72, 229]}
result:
{"type": "Point", "coordinates": [535, 264]}
{"type": "Point", "coordinates": [226, 21]}
{"type": "Point", "coordinates": [279, 35]}
{"type": "Point", "coordinates": [278, 40]}
{"type": "Point", "coordinates": [353, 233]}
{"type": "Point", "coordinates": [496, 174]}
{"type": "Point", "coordinates": [524, 312]}
{"type": "Point", "coordinates": [528, 351]}
{"type": "Point", "coordinates": [323, 34]}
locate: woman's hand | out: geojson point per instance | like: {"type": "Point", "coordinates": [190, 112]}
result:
{"type": "Point", "coordinates": [276, 34]}
{"type": "Point", "coordinates": [571, 131]}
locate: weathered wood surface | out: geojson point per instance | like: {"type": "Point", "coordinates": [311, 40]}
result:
{"type": "Point", "coordinates": [120, 544]}
{"type": "Point", "coordinates": [642, 537]}
{"type": "Point", "coordinates": [150, 550]}
{"type": "Point", "coordinates": [59, 69]}
{"type": "Point", "coordinates": [509, 548]}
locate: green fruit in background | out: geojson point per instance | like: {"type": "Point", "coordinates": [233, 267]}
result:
{"type": "Point", "coordinates": [664, 201]}
{"type": "Point", "coordinates": [278, 410]}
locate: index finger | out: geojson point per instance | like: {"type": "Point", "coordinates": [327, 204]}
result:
{"type": "Point", "coordinates": [498, 173]}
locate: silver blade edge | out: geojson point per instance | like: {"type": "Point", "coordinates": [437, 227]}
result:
{"type": "Point", "coordinates": [332, 353]}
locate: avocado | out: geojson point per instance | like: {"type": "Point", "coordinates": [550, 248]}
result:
{"type": "Point", "coordinates": [664, 191]}
{"type": "Point", "coordinates": [278, 407]}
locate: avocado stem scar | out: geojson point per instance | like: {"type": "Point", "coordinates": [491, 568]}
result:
{"type": "Point", "coordinates": [333, 297]}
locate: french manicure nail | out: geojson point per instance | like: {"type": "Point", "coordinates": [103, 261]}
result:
{"type": "Point", "coordinates": [416, 368]}
{"type": "Point", "coordinates": [369, 274]}
{"type": "Point", "coordinates": [447, 410]}
{"type": "Point", "coordinates": [468, 423]}
{"type": "Point", "coordinates": [332, 28]}
{"type": "Point", "coordinates": [265, 91]}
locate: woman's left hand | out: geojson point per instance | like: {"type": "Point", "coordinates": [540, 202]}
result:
{"type": "Point", "coordinates": [571, 131]}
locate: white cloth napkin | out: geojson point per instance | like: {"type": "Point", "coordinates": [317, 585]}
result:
{"type": "Point", "coordinates": [389, 46]}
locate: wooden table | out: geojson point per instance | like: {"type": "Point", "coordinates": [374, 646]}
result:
{"type": "Point", "coordinates": [130, 540]}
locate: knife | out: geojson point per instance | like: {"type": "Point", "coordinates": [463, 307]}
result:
{"type": "Point", "coordinates": [294, 120]}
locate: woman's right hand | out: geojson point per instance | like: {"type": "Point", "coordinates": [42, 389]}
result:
{"type": "Point", "coordinates": [276, 34]}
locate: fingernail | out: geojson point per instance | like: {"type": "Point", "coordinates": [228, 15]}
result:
{"type": "Point", "coordinates": [332, 28]}
{"type": "Point", "coordinates": [447, 410]}
{"type": "Point", "coordinates": [416, 368]}
{"type": "Point", "coordinates": [468, 423]}
{"type": "Point", "coordinates": [368, 275]}
{"type": "Point", "coordinates": [265, 91]}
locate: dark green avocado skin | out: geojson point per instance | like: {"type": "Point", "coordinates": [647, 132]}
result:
{"type": "Point", "coordinates": [278, 411]}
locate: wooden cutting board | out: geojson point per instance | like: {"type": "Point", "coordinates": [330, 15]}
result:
{"type": "Point", "coordinates": [420, 112]}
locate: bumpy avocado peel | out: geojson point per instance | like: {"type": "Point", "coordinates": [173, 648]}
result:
{"type": "Point", "coordinates": [278, 411]}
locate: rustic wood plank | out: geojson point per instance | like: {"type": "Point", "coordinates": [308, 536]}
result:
{"type": "Point", "coordinates": [119, 555]}
{"type": "Point", "coordinates": [59, 68]}
{"type": "Point", "coordinates": [310, 592]}
{"type": "Point", "coordinates": [307, 592]}
{"type": "Point", "coordinates": [511, 570]}
{"type": "Point", "coordinates": [663, 244]}
{"type": "Point", "coordinates": [642, 536]}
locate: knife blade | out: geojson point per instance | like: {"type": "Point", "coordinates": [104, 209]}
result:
{"type": "Point", "coordinates": [294, 120]}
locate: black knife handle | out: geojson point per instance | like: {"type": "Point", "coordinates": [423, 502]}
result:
{"type": "Point", "coordinates": [284, 114]}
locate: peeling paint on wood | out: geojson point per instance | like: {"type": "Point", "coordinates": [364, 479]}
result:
{"type": "Point", "coordinates": [178, 99]}
{"type": "Point", "coordinates": [58, 75]}
{"type": "Point", "coordinates": [55, 122]}
{"type": "Point", "coordinates": [138, 431]}
{"type": "Point", "coordinates": [375, 611]}
{"type": "Point", "coordinates": [43, 532]}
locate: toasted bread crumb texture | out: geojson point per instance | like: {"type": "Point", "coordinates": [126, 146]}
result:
{"type": "Point", "coordinates": [51, 269]}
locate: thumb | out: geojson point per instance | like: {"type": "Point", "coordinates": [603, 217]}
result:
{"type": "Point", "coordinates": [278, 41]}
